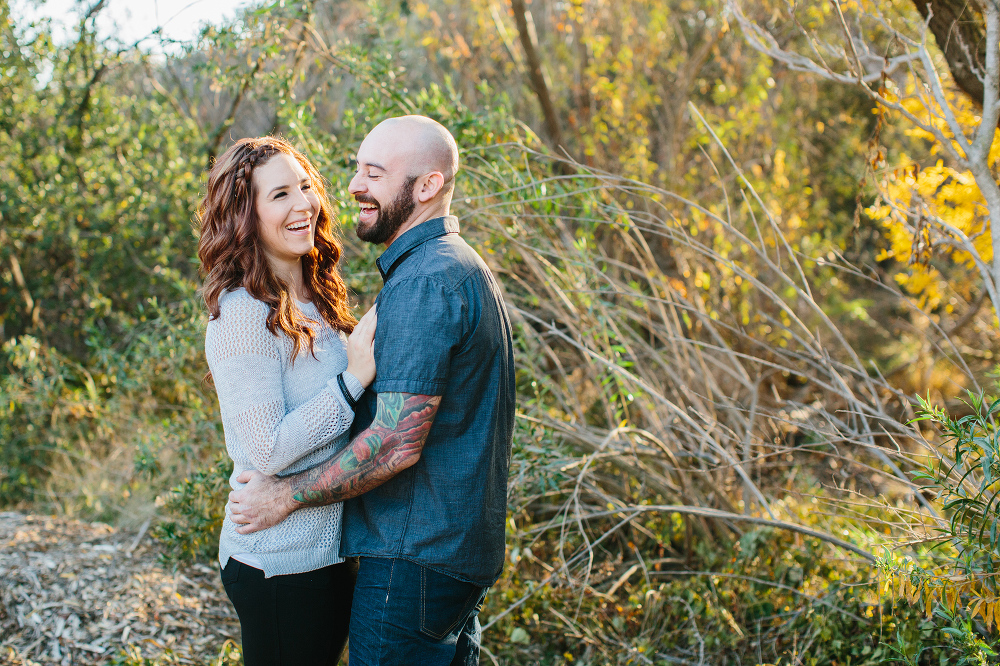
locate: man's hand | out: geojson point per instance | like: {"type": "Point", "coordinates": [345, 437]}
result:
{"type": "Point", "coordinates": [265, 501]}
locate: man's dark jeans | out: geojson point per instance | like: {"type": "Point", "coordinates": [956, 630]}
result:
{"type": "Point", "coordinates": [408, 615]}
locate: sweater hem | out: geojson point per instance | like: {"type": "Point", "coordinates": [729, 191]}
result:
{"type": "Point", "coordinates": [281, 564]}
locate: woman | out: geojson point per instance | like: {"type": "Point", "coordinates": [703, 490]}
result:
{"type": "Point", "coordinates": [287, 377]}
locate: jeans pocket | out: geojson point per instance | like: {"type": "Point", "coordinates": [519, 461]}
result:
{"type": "Point", "coordinates": [445, 602]}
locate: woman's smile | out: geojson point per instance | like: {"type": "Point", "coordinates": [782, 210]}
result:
{"type": "Point", "coordinates": [300, 227]}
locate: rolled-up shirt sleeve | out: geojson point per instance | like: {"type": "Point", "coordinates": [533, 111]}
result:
{"type": "Point", "coordinates": [420, 327]}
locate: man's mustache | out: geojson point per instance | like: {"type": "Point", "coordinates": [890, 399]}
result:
{"type": "Point", "coordinates": [366, 198]}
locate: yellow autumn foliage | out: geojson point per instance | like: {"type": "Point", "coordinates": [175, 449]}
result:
{"type": "Point", "coordinates": [925, 206]}
{"type": "Point", "coordinates": [923, 588]}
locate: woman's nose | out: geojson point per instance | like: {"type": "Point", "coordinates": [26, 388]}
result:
{"type": "Point", "coordinates": [302, 201]}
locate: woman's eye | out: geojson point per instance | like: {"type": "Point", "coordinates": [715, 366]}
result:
{"type": "Point", "coordinates": [279, 195]}
{"type": "Point", "coordinates": [307, 186]}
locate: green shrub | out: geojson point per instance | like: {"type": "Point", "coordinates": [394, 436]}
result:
{"type": "Point", "coordinates": [196, 509]}
{"type": "Point", "coordinates": [952, 576]}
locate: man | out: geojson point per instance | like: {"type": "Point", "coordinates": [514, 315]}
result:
{"type": "Point", "coordinates": [426, 472]}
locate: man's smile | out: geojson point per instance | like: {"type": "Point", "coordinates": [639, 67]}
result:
{"type": "Point", "coordinates": [369, 208]}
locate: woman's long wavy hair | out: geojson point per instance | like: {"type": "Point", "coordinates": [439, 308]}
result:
{"type": "Point", "coordinates": [232, 252]}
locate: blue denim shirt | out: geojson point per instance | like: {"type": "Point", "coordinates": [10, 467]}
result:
{"type": "Point", "coordinates": [442, 330]}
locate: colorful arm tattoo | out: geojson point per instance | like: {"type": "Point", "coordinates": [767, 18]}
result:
{"type": "Point", "coordinates": [389, 445]}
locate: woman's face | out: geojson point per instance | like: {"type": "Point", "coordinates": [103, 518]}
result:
{"type": "Point", "coordinates": [287, 209]}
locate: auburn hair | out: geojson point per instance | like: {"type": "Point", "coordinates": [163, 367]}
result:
{"type": "Point", "coordinates": [232, 252]}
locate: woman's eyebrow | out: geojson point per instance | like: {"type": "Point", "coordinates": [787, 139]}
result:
{"type": "Point", "coordinates": [305, 179]}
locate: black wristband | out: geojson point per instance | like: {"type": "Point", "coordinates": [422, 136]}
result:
{"type": "Point", "coordinates": [347, 394]}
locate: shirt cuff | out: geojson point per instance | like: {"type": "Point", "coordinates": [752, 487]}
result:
{"type": "Point", "coordinates": [353, 385]}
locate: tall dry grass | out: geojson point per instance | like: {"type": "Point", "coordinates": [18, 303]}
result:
{"type": "Point", "coordinates": [677, 359]}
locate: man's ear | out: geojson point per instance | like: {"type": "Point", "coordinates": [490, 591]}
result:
{"type": "Point", "coordinates": [429, 186]}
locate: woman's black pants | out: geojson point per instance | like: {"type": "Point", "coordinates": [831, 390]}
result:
{"type": "Point", "coordinates": [292, 619]}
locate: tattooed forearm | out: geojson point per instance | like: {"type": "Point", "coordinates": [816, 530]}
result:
{"type": "Point", "coordinates": [389, 445]}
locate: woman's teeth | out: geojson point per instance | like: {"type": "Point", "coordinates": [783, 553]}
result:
{"type": "Point", "coordinates": [298, 227]}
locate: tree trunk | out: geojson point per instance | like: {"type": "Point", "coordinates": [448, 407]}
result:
{"type": "Point", "coordinates": [538, 84]}
{"type": "Point", "coordinates": [960, 32]}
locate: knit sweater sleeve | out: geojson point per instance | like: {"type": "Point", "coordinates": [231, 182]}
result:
{"type": "Point", "coordinates": [247, 365]}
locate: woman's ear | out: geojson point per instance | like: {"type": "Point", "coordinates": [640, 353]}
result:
{"type": "Point", "coordinates": [429, 186]}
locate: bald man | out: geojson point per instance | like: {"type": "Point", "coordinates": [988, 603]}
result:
{"type": "Point", "coordinates": [424, 479]}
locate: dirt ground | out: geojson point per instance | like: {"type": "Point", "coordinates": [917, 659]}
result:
{"type": "Point", "coordinates": [83, 593]}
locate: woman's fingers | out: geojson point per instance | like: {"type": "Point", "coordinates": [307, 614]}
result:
{"type": "Point", "coordinates": [370, 327]}
{"type": "Point", "coordinates": [365, 323]}
{"type": "Point", "coordinates": [365, 330]}
{"type": "Point", "coordinates": [371, 315]}
{"type": "Point", "coordinates": [360, 348]}
{"type": "Point", "coordinates": [369, 321]}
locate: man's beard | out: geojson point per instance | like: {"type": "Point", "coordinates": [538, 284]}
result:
{"type": "Point", "coordinates": [392, 217]}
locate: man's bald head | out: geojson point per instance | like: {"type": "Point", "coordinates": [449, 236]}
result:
{"type": "Point", "coordinates": [422, 143]}
{"type": "Point", "coordinates": [406, 176]}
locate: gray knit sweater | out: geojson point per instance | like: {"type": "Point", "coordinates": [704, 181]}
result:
{"type": "Point", "coordinates": [279, 417]}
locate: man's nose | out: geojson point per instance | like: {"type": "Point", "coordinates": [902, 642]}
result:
{"type": "Point", "coordinates": [354, 187]}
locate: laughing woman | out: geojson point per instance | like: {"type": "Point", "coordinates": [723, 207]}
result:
{"type": "Point", "coordinates": [287, 377]}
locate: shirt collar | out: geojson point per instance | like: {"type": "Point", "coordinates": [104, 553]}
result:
{"type": "Point", "coordinates": [418, 235]}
